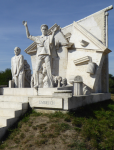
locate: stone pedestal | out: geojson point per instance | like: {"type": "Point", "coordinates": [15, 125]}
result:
{"type": "Point", "coordinates": [78, 86]}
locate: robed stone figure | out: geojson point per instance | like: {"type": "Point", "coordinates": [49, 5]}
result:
{"type": "Point", "coordinates": [17, 68]}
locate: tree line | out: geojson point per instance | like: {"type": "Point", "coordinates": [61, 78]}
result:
{"type": "Point", "coordinates": [111, 83]}
{"type": "Point", "coordinates": [6, 75]}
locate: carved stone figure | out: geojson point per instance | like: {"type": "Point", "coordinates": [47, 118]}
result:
{"type": "Point", "coordinates": [44, 52]}
{"type": "Point", "coordinates": [64, 82]}
{"type": "Point", "coordinates": [17, 68]}
{"type": "Point", "coordinates": [86, 91]}
{"type": "Point", "coordinates": [27, 73]}
{"type": "Point", "coordinates": [55, 82]}
{"type": "Point", "coordinates": [68, 35]}
{"type": "Point", "coordinates": [59, 81]}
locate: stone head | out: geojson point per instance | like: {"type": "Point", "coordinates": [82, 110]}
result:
{"type": "Point", "coordinates": [44, 29]}
{"type": "Point", "coordinates": [17, 51]}
{"type": "Point", "coordinates": [64, 81]}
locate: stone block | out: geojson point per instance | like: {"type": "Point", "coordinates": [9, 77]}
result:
{"type": "Point", "coordinates": [46, 102]}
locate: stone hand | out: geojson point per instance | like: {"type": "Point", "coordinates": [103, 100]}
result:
{"type": "Point", "coordinates": [53, 30]}
{"type": "Point", "coordinates": [25, 23]}
{"type": "Point", "coordinates": [64, 44]}
{"type": "Point", "coordinates": [16, 75]}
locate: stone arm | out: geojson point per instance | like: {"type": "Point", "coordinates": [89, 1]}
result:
{"type": "Point", "coordinates": [53, 33]}
{"type": "Point", "coordinates": [27, 32]}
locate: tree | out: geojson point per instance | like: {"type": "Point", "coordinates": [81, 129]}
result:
{"type": "Point", "coordinates": [111, 83]}
{"type": "Point", "coordinates": [5, 76]}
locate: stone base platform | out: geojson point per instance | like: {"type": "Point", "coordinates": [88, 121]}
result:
{"type": "Point", "coordinates": [64, 104]}
{"type": "Point", "coordinates": [50, 99]}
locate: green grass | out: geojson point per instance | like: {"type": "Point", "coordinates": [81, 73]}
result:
{"type": "Point", "coordinates": [95, 123]}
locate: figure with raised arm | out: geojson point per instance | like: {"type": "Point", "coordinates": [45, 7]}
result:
{"type": "Point", "coordinates": [44, 52]}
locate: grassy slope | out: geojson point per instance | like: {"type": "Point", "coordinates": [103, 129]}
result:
{"type": "Point", "coordinates": [90, 127]}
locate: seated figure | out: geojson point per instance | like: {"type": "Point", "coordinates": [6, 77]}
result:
{"type": "Point", "coordinates": [17, 68]}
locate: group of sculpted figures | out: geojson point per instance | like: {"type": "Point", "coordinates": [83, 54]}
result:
{"type": "Point", "coordinates": [42, 77]}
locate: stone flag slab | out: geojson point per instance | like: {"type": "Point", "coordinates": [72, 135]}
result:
{"type": "Point", "coordinates": [46, 102]}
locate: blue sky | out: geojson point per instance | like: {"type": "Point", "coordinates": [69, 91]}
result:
{"type": "Point", "coordinates": [37, 12]}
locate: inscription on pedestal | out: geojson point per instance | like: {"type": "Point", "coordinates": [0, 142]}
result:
{"type": "Point", "coordinates": [46, 103]}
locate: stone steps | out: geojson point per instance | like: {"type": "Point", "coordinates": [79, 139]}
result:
{"type": "Point", "coordinates": [11, 108]}
{"type": "Point", "coordinates": [10, 98]}
{"type": "Point", "coordinates": [7, 120]}
{"type": "Point", "coordinates": [15, 105]}
{"type": "Point", "coordinates": [10, 111]}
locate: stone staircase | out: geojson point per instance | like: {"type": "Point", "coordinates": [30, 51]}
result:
{"type": "Point", "coordinates": [11, 108]}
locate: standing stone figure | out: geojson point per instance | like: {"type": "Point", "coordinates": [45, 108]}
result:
{"type": "Point", "coordinates": [17, 68]}
{"type": "Point", "coordinates": [44, 52]}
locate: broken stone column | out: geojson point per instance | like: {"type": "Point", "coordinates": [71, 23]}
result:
{"type": "Point", "coordinates": [11, 84]}
{"type": "Point", "coordinates": [91, 67]}
{"type": "Point", "coordinates": [78, 86]}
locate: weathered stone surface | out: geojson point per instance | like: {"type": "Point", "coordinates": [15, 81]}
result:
{"type": "Point", "coordinates": [78, 79]}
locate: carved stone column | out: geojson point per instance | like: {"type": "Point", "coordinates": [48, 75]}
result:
{"type": "Point", "coordinates": [78, 86]}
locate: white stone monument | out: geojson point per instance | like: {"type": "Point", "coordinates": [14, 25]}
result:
{"type": "Point", "coordinates": [58, 56]}
{"type": "Point", "coordinates": [70, 69]}
{"type": "Point", "coordinates": [82, 49]}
